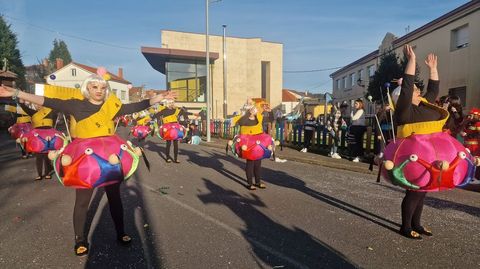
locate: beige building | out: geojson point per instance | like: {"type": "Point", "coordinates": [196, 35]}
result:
{"type": "Point", "coordinates": [454, 37]}
{"type": "Point", "coordinates": [254, 69]}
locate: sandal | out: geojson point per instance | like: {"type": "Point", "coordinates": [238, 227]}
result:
{"type": "Point", "coordinates": [424, 231]}
{"type": "Point", "coordinates": [81, 248]}
{"type": "Point", "coordinates": [261, 185]}
{"type": "Point", "coordinates": [124, 239]}
{"type": "Point", "coordinates": [251, 187]}
{"type": "Point", "coordinates": [411, 234]}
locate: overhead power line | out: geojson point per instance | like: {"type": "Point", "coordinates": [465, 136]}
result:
{"type": "Point", "coordinates": [313, 70]}
{"type": "Point", "coordinates": [68, 35]}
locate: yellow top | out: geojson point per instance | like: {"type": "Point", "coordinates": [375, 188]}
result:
{"type": "Point", "coordinates": [170, 118]}
{"type": "Point", "coordinates": [24, 119]}
{"type": "Point", "coordinates": [39, 118]}
{"type": "Point", "coordinates": [250, 130]}
{"type": "Point", "coordinates": [100, 123]}
{"type": "Point", "coordinates": [144, 121]}
{"type": "Point", "coordinates": [424, 127]}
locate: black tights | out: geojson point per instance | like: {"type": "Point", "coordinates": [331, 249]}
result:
{"type": "Point", "coordinates": [253, 168]}
{"type": "Point", "coordinates": [175, 149]}
{"type": "Point", "coordinates": [412, 206]}
{"type": "Point", "coordinates": [82, 200]}
{"type": "Point", "coordinates": [41, 160]}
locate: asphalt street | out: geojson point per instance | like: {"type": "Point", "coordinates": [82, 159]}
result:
{"type": "Point", "coordinates": [198, 214]}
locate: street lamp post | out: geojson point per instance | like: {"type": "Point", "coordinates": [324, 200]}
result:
{"type": "Point", "coordinates": [224, 72]}
{"type": "Point", "coordinates": [207, 63]}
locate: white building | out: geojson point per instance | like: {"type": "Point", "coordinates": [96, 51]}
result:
{"type": "Point", "coordinates": [73, 74]}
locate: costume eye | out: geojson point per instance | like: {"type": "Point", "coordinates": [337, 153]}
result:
{"type": "Point", "coordinates": [89, 151]}
{"type": "Point", "coordinates": [123, 147]}
{"type": "Point", "coordinates": [413, 157]}
{"type": "Point", "coordinates": [35, 134]}
{"type": "Point", "coordinates": [462, 155]}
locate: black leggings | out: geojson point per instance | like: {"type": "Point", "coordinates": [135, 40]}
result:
{"type": "Point", "coordinates": [253, 168]}
{"type": "Point", "coordinates": [307, 138]}
{"type": "Point", "coordinates": [41, 160]}
{"type": "Point", "coordinates": [82, 200]}
{"type": "Point", "coordinates": [412, 206]}
{"type": "Point", "coordinates": [175, 149]}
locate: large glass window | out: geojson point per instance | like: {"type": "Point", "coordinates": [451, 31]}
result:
{"type": "Point", "coordinates": [188, 79]}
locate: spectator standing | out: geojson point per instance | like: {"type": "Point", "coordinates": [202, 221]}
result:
{"type": "Point", "coordinates": [357, 129]}
{"type": "Point", "coordinates": [309, 127]}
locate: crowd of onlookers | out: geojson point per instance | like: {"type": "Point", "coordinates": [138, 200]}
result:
{"type": "Point", "coordinates": [353, 123]}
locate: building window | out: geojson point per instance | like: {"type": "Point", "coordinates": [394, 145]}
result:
{"type": "Point", "coordinates": [371, 70]}
{"type": "Point", "coordinates": [344, 83]}
{"type": "Point", "coordinates": [459, 38]}
{"type": "Point", "coordinates": [114, 91]}
{"type": "Point", "coordinates": [122, 95]}
{"type": "Point", "coordinates": [188, 79]}
{"type": "Point", "coordinates": [361, 74]}
{"type": "Point", "coordinates": [337, 84]}
{"type": "Point", "coordinates": [74, 72]}
{"type": "Point", "coordinates": [352, 80]}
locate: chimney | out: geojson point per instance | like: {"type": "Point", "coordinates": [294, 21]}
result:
{"type": "Point", "coordinates": [59, 63]}
{"type": "Point", "coordinates": [120, 72]}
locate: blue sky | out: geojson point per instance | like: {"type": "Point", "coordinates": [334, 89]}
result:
{"type": "Point", "coordinates": [316, 34]}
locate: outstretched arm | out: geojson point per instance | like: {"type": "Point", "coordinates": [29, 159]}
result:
{"type": "Point", "coordinates": [6, 91]}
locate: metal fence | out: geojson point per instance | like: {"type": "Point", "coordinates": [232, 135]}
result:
{"type": "Point", "coordinates": [291, 133]}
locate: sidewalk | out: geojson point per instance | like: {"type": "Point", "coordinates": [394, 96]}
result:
{"type": "Point", "coordinates": [292, 154]}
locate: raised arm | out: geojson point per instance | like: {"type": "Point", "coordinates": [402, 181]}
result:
{"type": "Point", "coordinates": [403, 107]}
{"type": "Point", "coordinates": [433, 87]}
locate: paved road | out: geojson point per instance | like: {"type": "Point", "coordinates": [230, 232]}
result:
{"type": "Point", "coordinates": [198, 214]}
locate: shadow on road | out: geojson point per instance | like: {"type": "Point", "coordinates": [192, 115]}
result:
{"type": "Point", "coordinates": [105, 252]}
{"type": "Point", "coordinates": [273, 243]}
{"type": "Point", "coordinates": [440, 203]}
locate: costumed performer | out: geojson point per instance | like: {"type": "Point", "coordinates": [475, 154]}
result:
{"type": "Point", "coordinates": [170, 130]}
{"type": "Point", "coordinates": [94, 121]}
{"type": "Point", "coordinates": [423, 158]}
{"type": "Point", "coordinates": [22, 126]}
{"type": "Point", "coordinates": [252, 144]}
{"type": "Point", "coordinates": [42, 138]}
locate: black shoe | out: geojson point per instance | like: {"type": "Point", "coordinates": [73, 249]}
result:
{"type": "Point", "coordinates": [411, 234]}
{"type": "Point", "coordinates": [81, 248]}
{"type": "Point", "coordinates": [124, 239]}
{"type": "Point", "coordinates": [424, 231]}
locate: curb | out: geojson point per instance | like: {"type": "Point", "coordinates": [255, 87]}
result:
{"type": "Point", "coordinates": [310, 158]}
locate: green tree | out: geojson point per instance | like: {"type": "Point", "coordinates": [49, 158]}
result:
{"type": "Point", "coordinates": [388, 70]}
{"type": "Point", "coordinates": [10, 52]}
{"type": "Point", "coordinates": [60, 50]}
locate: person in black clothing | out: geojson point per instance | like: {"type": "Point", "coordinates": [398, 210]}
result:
{"type": "Point", "coordinates": [41, 159]}
{"type": "Point", "coordinates": [410, 109]}
{"type": "Point", "coordinates": [309, 127]}
{"type": "Point", "coordinates": [96, 92]}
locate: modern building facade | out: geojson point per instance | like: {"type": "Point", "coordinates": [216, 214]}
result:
{"type": "Point", "coordinates": [253, 69]}
{"type": "Point", "coordinates": [453, 37]}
